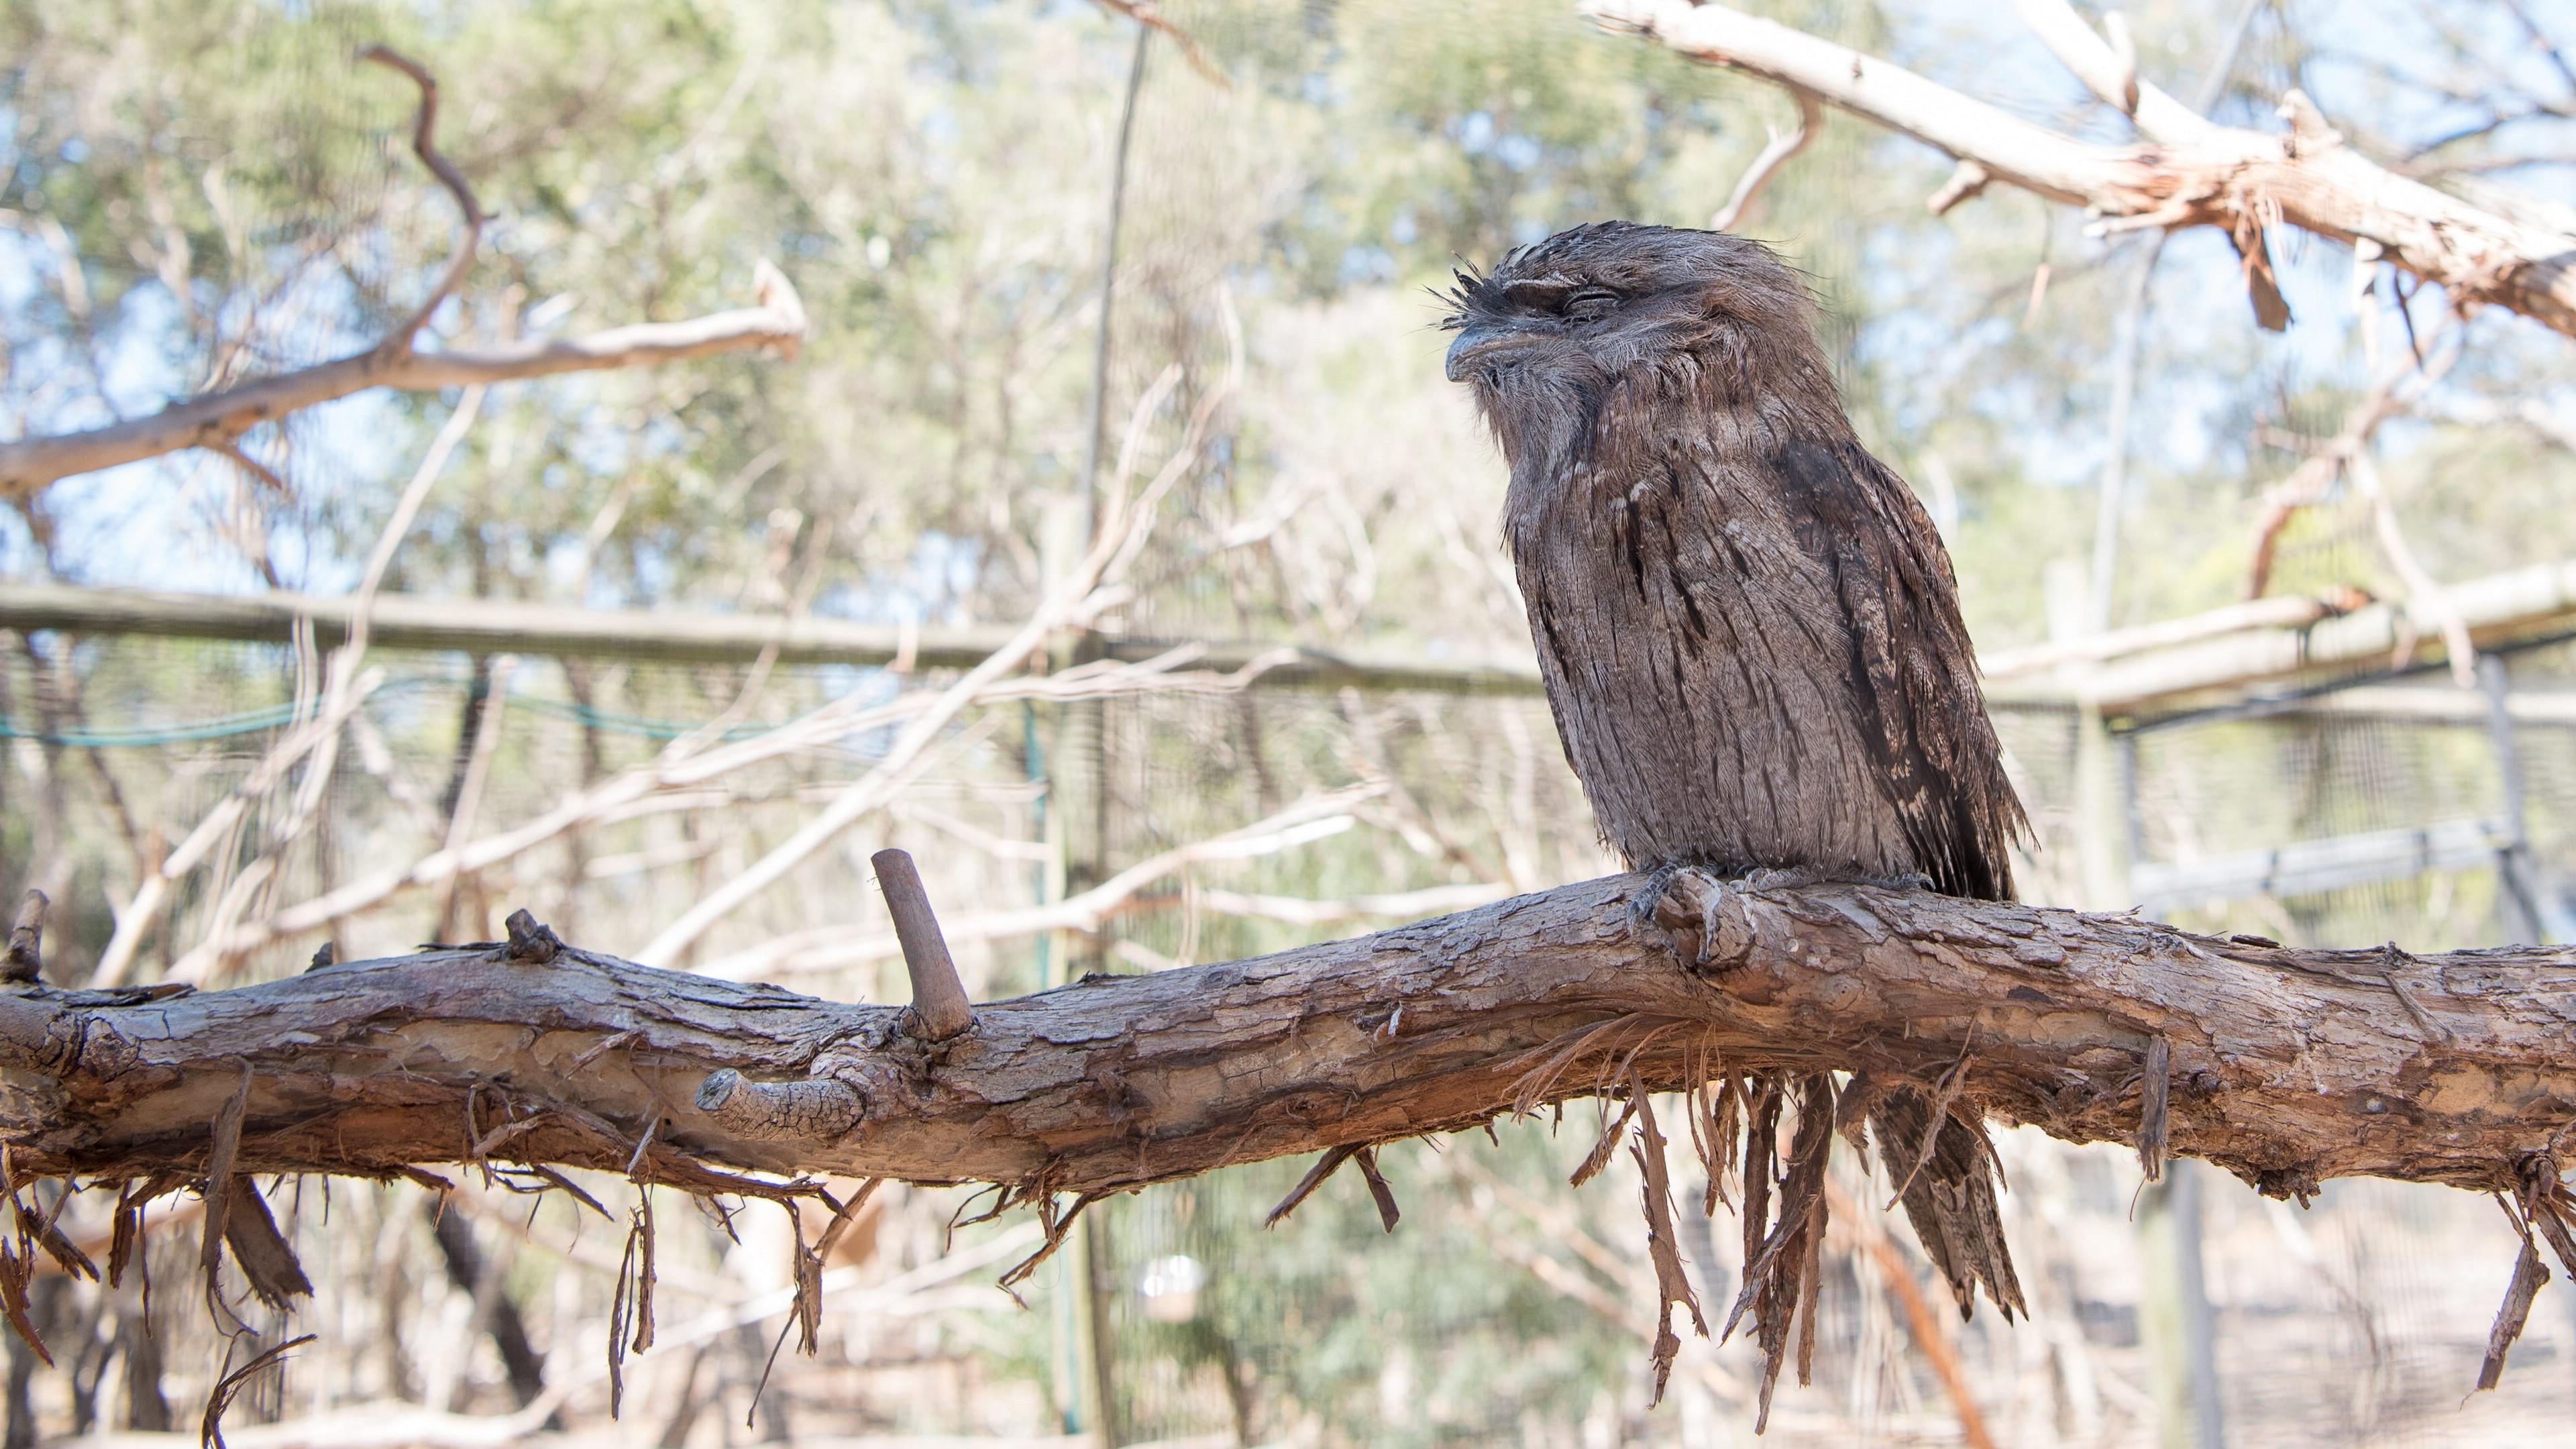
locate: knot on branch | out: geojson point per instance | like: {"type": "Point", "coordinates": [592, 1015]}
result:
{"type": "Point", "coordinates": [41, 1037]}
{"type": "Point", "coordinates": [817, 1109]}
{"type": "Point", "coordinates": [532, 942]}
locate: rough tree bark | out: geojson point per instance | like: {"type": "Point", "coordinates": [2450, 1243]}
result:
{"type": "Point", "coordinates": [2186, 171]}
{"type": "Point", "coordinates": [2287, 1067]}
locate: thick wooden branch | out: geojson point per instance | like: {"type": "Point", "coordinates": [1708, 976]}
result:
{"type": "Point", "coordinates": [2287, 1067]}
{"type": "Point", "coordinates": [2188, 172]}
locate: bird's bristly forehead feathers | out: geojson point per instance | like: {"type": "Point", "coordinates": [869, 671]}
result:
{"type": "Point", "coordinates": [1614, 318]}
{"type": "Point", "coordinates": [1632, 258]}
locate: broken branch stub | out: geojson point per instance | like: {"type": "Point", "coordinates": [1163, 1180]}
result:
{"type": "Point", "coordinates": [939, 1006]}
{"type": "Point", "coordinates": [815, 1110]}
{"type": "Point", "coordinates": [532, 942]}
{"type": "Point", "coordinates": [26, 956]}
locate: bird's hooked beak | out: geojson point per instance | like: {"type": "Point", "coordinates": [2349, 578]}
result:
{"type": "Point", "coordinates": [1478, 340]}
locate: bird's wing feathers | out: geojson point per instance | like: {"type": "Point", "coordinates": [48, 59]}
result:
{"type": "Point", "coordinates": [1909, 663]}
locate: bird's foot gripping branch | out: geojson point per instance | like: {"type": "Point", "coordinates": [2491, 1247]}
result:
{"type": "Point", "coordinates": [1782, 1014]}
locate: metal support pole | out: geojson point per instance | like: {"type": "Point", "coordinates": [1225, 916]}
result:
{"type": "Point", "coordinates": [2133, 830]}
{"type": "Point", "coordinates": [2175, 1319]}
{"type": "Point", "coordinates": [2127, 333]}
{"type": "Point", "coordinates": [1099, 399]}
{"type": "Point", "coordinates": [2101, 814]}
{"type": "Point", "coordinates": [2525, 903]}
{"type": "Point", "coordinates": [1077, 809]}
{"type": "Point", "coordinates": [2174, 1314]}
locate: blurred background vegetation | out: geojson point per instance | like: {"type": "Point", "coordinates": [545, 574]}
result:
{"type": "Point", "coordinates": [194, 194]}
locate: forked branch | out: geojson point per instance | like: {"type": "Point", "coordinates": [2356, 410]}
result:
{"type": "Point", "coordinates": [2186, 171]}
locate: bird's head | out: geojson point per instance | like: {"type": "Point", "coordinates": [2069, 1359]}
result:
{"type": "Point", "coordinates": [1545, 337]}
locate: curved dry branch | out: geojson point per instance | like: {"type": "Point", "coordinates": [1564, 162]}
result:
{"type": "Point", "coordinates": [2190, 172]}
{"type": "Point", "coordinates": [1775, 154]}
{"type": "Point", "coordinates": [424, 144]}
{"type": "Point", "coordinates": [217, 419]}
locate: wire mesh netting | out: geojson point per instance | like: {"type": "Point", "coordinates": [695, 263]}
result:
{"type": "Point", "coordinates": [939, 181]}
{"type": "Point", "coordinates": [1504, 1308]}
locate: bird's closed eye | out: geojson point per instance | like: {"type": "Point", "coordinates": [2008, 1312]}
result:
{"type": "Point", "coordinates": [1591, 302]}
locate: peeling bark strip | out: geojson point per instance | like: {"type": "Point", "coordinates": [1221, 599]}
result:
{"type": "Point", "coordinates": [2155, 1098]}
{"type": "Point", "coordinates": [2287, 1066]}
{"type": "Point", "coordinates": [2186, 171]}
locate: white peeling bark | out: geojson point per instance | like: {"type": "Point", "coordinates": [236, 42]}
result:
{"type": "Point", "coordinates": [2189, 172]}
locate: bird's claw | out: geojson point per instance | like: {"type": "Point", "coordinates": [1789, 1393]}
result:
{"type": "Point", "coordinates": [1645, 905]}
{"type": "Point", "coordinates": [1912, 880]}
{"type": "Point", "coordinates": [1685, 904]}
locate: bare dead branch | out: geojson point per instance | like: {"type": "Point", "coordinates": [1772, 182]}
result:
{"type": "Point", "coordinates": [837, 947]}
{"type": "Point", "coordinates": [2426, 600]}
{"type": "Point", "coordinates": [673, 777]}
{"type": "Point", "coordinates": [424, 144]}
{"type": "Point", "coordinates": [347, 688]}
{"type": "Point", "coordinates": [1766, 165]}
{"type": "Point", "coordinates": [485, 745]}
{"type": "Point", "coordinates": [1920, 1320]}
{"type": "Point", "coordinates": [2108, 68]}
{"type": "Point", "coordinates": [218, 419]}
{"type": "Point", "coordinates": [1151, 16]}
{"type": "Point", "coordinates": [210, 1428]}
{"type": "Point", "coordinates": [2188, 172]}
{"type": "Point", "coordinates": [1071, 602]}
{"type": "Point", "coordinates": [2288, 612]}
{"type": "Point", "coordinates": [2395, 392]}
{"type": "Point", "coordinates": [777, 323]}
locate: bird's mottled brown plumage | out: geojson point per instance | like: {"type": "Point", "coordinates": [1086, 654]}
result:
{"type": "Point", "coordinates": [1748, 626]}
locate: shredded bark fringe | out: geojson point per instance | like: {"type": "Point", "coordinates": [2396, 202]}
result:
{"type": "Point", "coordinates": [210, 1428]}
{"type": "Point", "coordinates": [1934, 1150]}
{"type": "Point", "coordinates": [2542, 1206]}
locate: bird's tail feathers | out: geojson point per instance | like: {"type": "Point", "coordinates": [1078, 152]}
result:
{"type": "Point", "coordinates": [1950, 1186]}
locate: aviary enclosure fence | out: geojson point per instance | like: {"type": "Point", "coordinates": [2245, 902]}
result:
{"type": "Point", "coordinates": [1504, 1308]}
